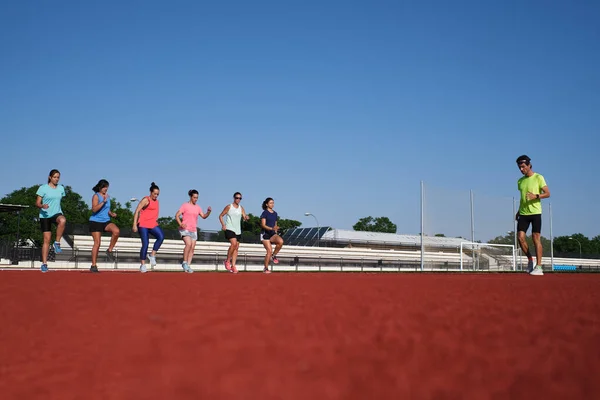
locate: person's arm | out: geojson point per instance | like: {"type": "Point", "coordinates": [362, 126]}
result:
{"type": "Point", "coordinates": [263, 225]}
{"type": "Point", "coordinates": [545, 193]}
{"type": "Point", "coordinates": [38, 203]}
{"type": "Point", "coordinates": [205, 215]}
{"type": "Point", "coordinates": [245, 216]}
{"type": "Point", "coordinates": [97, 204]}
{"type": "Point", "coordinates": [179, 219]}
{"type": "Point", "coordinates": [223, 213]}
{"type": "Point", "coordinates": [141, 205]}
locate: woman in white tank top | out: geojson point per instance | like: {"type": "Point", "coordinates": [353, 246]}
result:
{"type": "Point", "coordinates": [231, 223]}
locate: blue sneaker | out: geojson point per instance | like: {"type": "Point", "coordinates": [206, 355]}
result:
{"type": "Point", "coordinates": [186, 268]}
{"type": "Point", "coordinates": [44, 268]}
{"type": "Point", "coordinates": [57, 248]}
{"type": "Point", "coordinates": [530, 266]}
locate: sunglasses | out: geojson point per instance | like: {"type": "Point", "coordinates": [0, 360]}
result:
{"type": "Point", "coordinates": [237, 198]}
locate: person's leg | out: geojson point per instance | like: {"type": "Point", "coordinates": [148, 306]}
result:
{"type": "Point", "coordinates": [145, 240]}
{"type": "Point", "coordinates": [523, 243]}
{"type": "Point", "coordinates": [537, 242]}
{"type": "Point", "coordinates": [61, 222]}
{"type": "Point", "coordinates": [157, 232]}
{"type": "Point", "coordinates": [230, 253]}
{"type": "Point", "coordinates": [114, 232]}
{"type": "Point", "coordinates": [46, 247]}
{"type": "Point", "coordinates": [269, 248]}
{"type": "Point", "coordinates": [97, 236]}
{"type": "Point", "coordinates": [186, 250]}
{"type": "Point", "coordinates": [536, 229]}
{"type": "Point", "coordinates": [235, 255]}
{"type": "Point", "coordinates": [46, 228]}
{"type": "Point", "coordinates": [278, 242]}
{"type": "Point", "coordinates": [235, 245]}
{"type": "Point", "coordinates": [191, 250]}
{"type": "Point", "coordinates": [522, 226]}
{"type": "Point", "coordinates": [159, 237]}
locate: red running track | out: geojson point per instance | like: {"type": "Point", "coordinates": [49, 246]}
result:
{"type": "Point", "coordinates": [116, 335]}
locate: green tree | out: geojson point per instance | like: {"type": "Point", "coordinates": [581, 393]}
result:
{"type": "Point", "coordinates": [570, 245]}
{"type": "Point", "coordinates": [595, 244]}
{"type": "Point", "coordinates": [124, 218]}
{"type": "Point", "coordinates": [379, 224]}
{"type": "Point", "coordinates": [169, 223]}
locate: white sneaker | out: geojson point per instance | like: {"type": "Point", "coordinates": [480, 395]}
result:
{"type": "Point", "coordinates": [152, 260]}
{"type": "Point", "coordinates": [537, 271]}
{"type": "Point", "coordinates": [143, 268]}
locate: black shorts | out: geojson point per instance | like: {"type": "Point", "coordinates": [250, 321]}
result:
{"type": "Point", "coordinates": [46, 223]}
{"type": "Point", "coordinates": [525, 220]}
{"type": "Point", "coordinates": [267, 235]}
{"type": "Point", "coordinates": [231, 234]}
{"type": "Point", "coordinates": [98, 226]}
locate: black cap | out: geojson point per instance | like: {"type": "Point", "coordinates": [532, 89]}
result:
{"type": "Point", "coordinates": [523, 159]}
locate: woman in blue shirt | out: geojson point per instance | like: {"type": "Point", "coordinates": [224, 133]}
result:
{"type": "Point", "coordinates": [48, 201]}
{"type": "Point", "coordinates": [268, 235]}
{"type": "Point", "coordinates": [100, 222]}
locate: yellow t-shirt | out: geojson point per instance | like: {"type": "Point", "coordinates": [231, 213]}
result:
{"type": "Point", "coordinates": [533, 184]}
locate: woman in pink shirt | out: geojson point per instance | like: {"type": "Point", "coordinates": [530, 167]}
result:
{"type": "Point", "coordinates": [187, 218]}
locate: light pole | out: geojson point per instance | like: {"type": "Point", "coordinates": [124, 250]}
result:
{"type": "Point", "coordinates": [318, 227]}
{"type": "Point", "coordinates": [578, 242]}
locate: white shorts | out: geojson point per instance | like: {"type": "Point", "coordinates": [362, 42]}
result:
{"type": "Point", "coordinates": [193, 235]}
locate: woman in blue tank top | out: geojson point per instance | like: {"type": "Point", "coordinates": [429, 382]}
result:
{"type": "Point", "coordinates": [100, 222]}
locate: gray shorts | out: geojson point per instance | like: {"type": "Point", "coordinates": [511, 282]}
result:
{"type": "Point", "coordinates": [192, 234]}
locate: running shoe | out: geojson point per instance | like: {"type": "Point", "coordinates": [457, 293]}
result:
{"type": "Point", "coordinates": [537, 271]}
{"type": "Point", "coordinates": [186, 268]}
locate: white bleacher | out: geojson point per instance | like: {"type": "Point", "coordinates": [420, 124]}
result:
{"type": "Point", "coordinates": [211, 255]}
{"type": "Point", "coordinates": [348, 236]}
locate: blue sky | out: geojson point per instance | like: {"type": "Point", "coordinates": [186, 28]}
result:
{"type": "Point", "coordinates": [338, 108]}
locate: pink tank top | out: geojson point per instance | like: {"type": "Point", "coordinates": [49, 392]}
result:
{"type": "Point", "coordinates": [149, 215]}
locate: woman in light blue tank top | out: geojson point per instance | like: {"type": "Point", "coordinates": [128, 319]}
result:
{"type": "Point", "coordinates": [233, 214]}
{"type": "Point", "coordinates": [100, 222]}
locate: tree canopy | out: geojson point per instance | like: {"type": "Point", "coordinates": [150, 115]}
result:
{"type": "Point", "coordinates": [564, 246]}
{"type": "Point", "coordinates": [379, 224]}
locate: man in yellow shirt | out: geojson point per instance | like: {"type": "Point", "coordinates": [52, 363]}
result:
{"type": "Point", "coordinates": [533, 188]}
